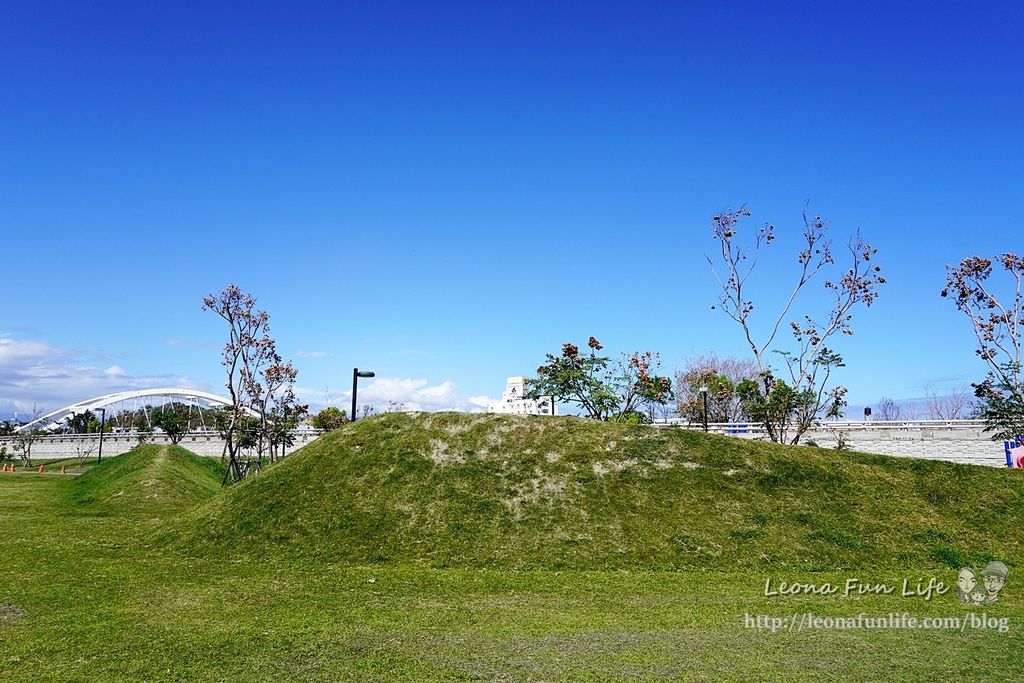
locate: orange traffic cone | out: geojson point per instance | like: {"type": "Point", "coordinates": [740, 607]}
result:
{"type": "Point", "coordinates": [62, 469]}
{"type": "Point", "coordinates": [5, 467]}
{"type": "Point", "coordinates": [40, 469]}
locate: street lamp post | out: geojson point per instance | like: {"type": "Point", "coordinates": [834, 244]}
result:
{"type": "Point", "coordinates": [355, 380]}
{"type": "Point", "coordinates": [704, 395]}
{"type": "Point", "coordinates": [103, 421]}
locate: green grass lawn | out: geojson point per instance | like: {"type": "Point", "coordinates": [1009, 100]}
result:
{"type": "Point", "coordinates": [92, 589]}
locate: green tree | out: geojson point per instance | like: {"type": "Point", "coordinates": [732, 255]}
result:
{"type": "Point", "coordinates": [633, 385]}
{"type": "Point", "coordinates": [143, 433]}
{"type": "Point", "coordinates": [78, 423]}
{"type": "Point", "coordinates": [721, 377]}
{"type": "Point", "coordinates": [773, 403]}
{"type": "Point", "coordinates": [173, 420]}
{"type": "Point", "coordinates": [576, 378]}
{"type": "Point", "coordinates": [247, 433]}
{"type": "Point", "coordinates": [329, 419]}
{"type": "Point", "coordinates": [1002, 405]}
{"type": "Point", "coordinates": [809, 366]}
{"type": "Point", "coordinates": [281, 422]}
{"type": "Point", "coordinates": [603, 391]}
{"type": "Point", "coordinates": [84, 423]}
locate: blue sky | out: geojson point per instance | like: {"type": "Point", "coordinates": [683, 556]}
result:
{"type": "Point", "coordinates": [445, 192]}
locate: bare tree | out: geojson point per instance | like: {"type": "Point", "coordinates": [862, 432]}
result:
{"type": "Point", "coordinates": [998, 326]}
{"type": "Point", "coordinates": [952, 406]}
{"type": "Point", "coordinates": [25, 439]}
{"type": "Point", "coordinates": [806, 397]}
{"type": "Point", "coordinates": [244, 353]}
{"type": "Point", "coordinates": [276, 404]}
{"type": "Point", "coordinates": [960, 402]}
{"type": "Point", "coordinates": [660, 411]}
{"type": "Point", "coordinates": [910, 410]}
{"type": "Point", "coordinates": [83, 451]}
{"type": "Point", "coordinates": [259, 383]}
{"type": "Point", "coordinates": [888, 409]}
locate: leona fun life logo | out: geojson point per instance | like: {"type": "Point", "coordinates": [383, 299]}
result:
{"type": "Point", "coordinates": [981, 588]}
{"type": "Point", "coordinates": [975, 588]}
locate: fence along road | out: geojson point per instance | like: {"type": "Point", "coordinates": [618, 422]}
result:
{"type": "Point", "coordinates": [963, 441]}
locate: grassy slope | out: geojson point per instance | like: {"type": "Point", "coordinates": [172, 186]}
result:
{"type": "Point", "coordinates": [149, 479]}
{"type": "Point", "coordinates": [84, 595]}
{"type": "Point", "coordinates": [457, 490]}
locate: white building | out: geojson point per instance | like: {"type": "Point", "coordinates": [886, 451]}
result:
{"type": "Point", "coordinates": [513, 401]}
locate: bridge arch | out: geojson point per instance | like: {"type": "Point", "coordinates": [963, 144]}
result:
{"type": "Point", "coordinates": [138, 400]}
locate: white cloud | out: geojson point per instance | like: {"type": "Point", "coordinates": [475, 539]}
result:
{"type": "Point", "coordinates": [37, 373]}
{"type": "Point", "coordinates": [51, 377]}
{"type": "Point", "coordinates": [311, 354]}
{"type": "Point", "coordinates": [410, 394]}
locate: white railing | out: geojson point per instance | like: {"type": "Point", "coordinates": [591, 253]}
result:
{"type": "Point", "coordinates": [749, 428]}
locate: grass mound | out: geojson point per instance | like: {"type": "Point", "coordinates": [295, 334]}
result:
{"type": "Point", "coordinates": [149, 478]}
{"type": "Point", "coordinates": [458, 490]}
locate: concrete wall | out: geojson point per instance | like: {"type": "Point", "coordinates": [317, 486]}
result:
{"type": "Point", "coordinates": [965, 445]}
{"type": "Point", "coordinates": [57, 447]}
{"type": "Point", "coordinates": [963, 442]}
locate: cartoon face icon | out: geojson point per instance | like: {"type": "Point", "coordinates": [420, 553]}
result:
{"type": "Point", "coordinates": [978, 596]}
{"type": "Point", "coordinates": [966, 580]}
{"type": "Point", "coordinates": [994, 575]}
{"type": "Point", "coordinates": [993, 584]}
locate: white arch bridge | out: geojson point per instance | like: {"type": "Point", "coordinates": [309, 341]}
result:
{"type": "Point", "coordinates": [142, 400]}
